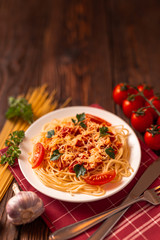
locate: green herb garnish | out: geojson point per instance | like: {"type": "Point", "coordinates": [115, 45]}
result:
{"type": "Point", "coordinates": [50, 133]}
{"type": "Point", "coordinates": [15, 138]}
{"type": "Point", "coordinates": [79, 170]}
{"type": "Point", "coordinates": [13, 150]}
{"type": "Point", "coordinates": [19, 108]}
{"type": "Point", "coordinates": [80, 120]}
{"type": "Point", "coordinates": [56, 155]}
{"type": "Point", "coordinates": [80, 117]}
{"type": "Point", "coordinates": [83, 125]}
{"type": "Point", "coordinates": [103, 131]}
{"type": "Point", "coordinates": [111, 152]}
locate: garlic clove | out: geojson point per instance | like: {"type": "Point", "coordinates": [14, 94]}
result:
{"type": "Point", "coordinates": [24, 207]}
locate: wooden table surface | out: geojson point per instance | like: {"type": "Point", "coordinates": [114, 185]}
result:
{"type": "Point", "coordinates": [81, 48]}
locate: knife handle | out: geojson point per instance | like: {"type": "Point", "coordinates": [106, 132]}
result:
{"type": "Point", "coordinates": [107, 226]}
{"type": "Point", "coordinates": [79, 227]}
{"type": "Point", "coordinates": [150, 174]}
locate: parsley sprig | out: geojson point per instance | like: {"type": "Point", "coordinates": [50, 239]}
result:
{"type": "Point", "coordinates": [79, 170]}
{"type": "Point", "coordinates": [13, 150]}
{"type": "Point", "coordinates": [110, 152]}
{"type": "Point", "coordinates": [80, 120]}
{"type": "Point", "coordinates": [55, 155]}
{"type": "Point", "coordinates": [50, 133]}
{"type": "Point", "coordinates": [19, 107]}
{"type": "Point", "coordinates": [103, 131]}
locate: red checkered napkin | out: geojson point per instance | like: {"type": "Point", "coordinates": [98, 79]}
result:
{"type": "Point", "coordinates": [141, 221]}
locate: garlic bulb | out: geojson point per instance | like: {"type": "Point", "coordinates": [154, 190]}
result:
{"type": "Point", "coordinates": [24, 207]}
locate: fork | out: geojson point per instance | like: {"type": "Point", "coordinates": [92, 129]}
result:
{"type": "Point", "coordinates": [150, 195]}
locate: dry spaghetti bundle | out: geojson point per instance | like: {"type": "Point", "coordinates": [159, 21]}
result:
{"type": "Point", "coordinates": [42, 102]}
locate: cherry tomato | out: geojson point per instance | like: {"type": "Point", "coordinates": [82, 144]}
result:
{"type": "Point", "coordinates": [142, 119]}
{"type": "Point", "coordinates": [96, 119]}
{"type": "Point", "coordinates": [101, 178]}
{"type": "Point", "coordinates": [152, 137]}
{"type": "Point", "coordinates": [121, 92]}
{"type": "Point", "coordinates": [158, 121]}
{"type": "Point", "coordinates": [132, 103]}
{"type": "Point", "coordinates": [38, 155]}
{"type": "Point", "coordinates": [147, 90]}
{"type": "Point", "coordinates": [156, 102]}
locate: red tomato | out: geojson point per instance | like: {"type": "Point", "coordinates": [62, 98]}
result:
{"type": "Point", "coordinates": [121, 92]}
{"type": "Point", "coordinates": [96, 119]}
{"type": "Point", "coordinates": [152, 137]}
{"type": "Point", "coordinates": [38, 155]}
{"type": "Point", "coordinates": [156, 102]}
{"type": "Point", "coordinates": [142, 119]}
{"type": "Point", "coordinates": [132, 104]}
{"type": "Point", "coordinates": [147, 90]}
{"type": "Point", "coordinates": [101, 178]}
{"type": "Point", "coordinates": [158, 121]}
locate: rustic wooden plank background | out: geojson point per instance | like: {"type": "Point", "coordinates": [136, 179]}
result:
{"type": "Point", "coordinates": [81, 48]}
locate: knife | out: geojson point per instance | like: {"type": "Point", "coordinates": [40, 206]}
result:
{"type": "Point", "coordinates": [147, 178]}
{"type": "Point", "coordinates": [152, 172]}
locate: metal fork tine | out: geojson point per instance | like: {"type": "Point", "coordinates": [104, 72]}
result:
{"type": "Point", "coordinates": [156, 188]}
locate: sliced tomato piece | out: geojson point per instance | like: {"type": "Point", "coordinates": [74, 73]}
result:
{"type": "Point", "coordinates": [101, 178]}
{"type": "Point", "coordinates": [97, 119]}
{"type": "Point", "coordinates": [38, 155]}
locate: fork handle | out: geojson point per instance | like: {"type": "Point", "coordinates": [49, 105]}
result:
{"type": "Point", "coordinates": [81, 226]}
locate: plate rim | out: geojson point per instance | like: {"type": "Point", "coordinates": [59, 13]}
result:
{"type": "Point", "coordinates": [87, 198]}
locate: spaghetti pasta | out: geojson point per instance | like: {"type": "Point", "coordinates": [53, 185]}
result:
{"type": "Point", "coordinates": [82, 154]}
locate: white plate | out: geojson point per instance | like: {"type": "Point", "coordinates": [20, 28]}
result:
{"type": "Point", "coordinates": [34, 130]}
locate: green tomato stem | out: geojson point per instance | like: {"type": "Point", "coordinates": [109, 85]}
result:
{"type": "Point", "coordinates": [150, 103]}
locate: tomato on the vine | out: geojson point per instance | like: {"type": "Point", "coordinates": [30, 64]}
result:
{"type": "Point", "coordinates": [147, 90]}
{"type": "Point", "coordinates": [100, 179]}
{"type": "Point", "coordinates": [156, 102]}
{"type": "Point", "coordinates": [132, 103]}
{"type": "Point", "coordinates": [152, 137]}
{"type": "Point", "coordinates": [141, 119]}
{"type": "Point", "coordinates": [121, 92]}
{"type": "Point", "coordinates": [158, 121]}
